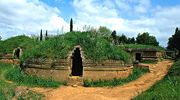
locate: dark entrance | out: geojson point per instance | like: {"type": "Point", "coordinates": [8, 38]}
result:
{"type": "Point", "coordinates": [138, 57]}
{"type": "Point", "coordinates": [17, 52]}
{"type": "Point", "coordinates": [77, 63]}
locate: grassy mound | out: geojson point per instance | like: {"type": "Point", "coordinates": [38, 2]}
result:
{"type": "Point", "coordinates": [100, 83]}
{"type": "Point", "coordinates": [22, 41]}
{"type": "Point", "coordinates": [94, 47]}
{"type": "Point", "coordinates": [167, 88]}
{"type": "Point", "coordinates": [143, 46]}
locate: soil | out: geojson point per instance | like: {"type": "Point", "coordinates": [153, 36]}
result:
{"type": "Point", "coordinates": [125, 92]}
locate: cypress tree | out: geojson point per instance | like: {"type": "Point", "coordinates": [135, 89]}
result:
{"type": "Point", "coordinates": [71, 25]}
{"type": "Point", "coordinates": [46, 35]}
{"type": "Point", "coordinates": [41, 35]}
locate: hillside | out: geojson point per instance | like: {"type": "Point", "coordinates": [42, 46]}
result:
{"type": "Point", "coordinates": [22, 41]}
{"type": "Point", "coordinates": [94, 47]}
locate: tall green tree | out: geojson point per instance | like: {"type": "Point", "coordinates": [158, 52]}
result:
{"type": "Point", "coordinates": [146, 39]}
{"type": "Point", "coordinates": [46, 36]}
{"type": "Point", "coordinates": [123, 39]}
{"type": "Point", "coordinates": [114, 35]}
{"type": "Point", "coordinates": [71, 25]}
{"type": "Point", "coordinates": [41, 35]}
{"type": "Point", "coordinates": [173, 43]}
{"type": "Point", "coordinates": [0, 38]}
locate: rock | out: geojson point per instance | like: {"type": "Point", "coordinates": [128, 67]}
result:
{"type": "Point", "coordinates": [20, 90]}
{"type": "Point", "coordinates": [74, 85]}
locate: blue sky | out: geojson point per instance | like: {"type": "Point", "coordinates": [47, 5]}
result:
{"type": "Point", "coordinates": [129, 17]}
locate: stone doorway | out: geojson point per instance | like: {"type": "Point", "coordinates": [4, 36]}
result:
{"type": "Point", "coordinates": [77, 67]}
{"type": "Point", "coordinates": [138, 57]}
{"type": "Point", "coordinates": [17, 53]}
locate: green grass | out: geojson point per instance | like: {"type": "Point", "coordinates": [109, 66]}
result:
{"type": "Point", "coordinates": [94, 47]}
{"type": "Point", "coordinates": [22, 41]}
{"type": "Point", "coordinates": [17, 75]}
{"type": "Point", "coordinates": [6, 89]}
{"type": "Point", "coordinates": [166, 89]}
{"type": "Point", "coordinates": [143, 46]}
{"type": "Point", "coordinates": [149, 62]}
{"type": "Point", "coordinates": [101, 83]}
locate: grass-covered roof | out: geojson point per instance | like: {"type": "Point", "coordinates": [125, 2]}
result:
{"type": "Point", "coordinates": [94, 47]}
{"type": "Point", "coordinates": [22, 41]}
{"type": "Point", "coordinates": [143, 46]}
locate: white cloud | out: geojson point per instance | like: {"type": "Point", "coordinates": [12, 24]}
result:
{"type": "Point", "coordinates": [161, 23]}
{"type": "Point", "coordinates": [28, 17]}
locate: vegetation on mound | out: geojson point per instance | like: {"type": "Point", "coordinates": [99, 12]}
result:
{"type": "Point", "coordinates": [167, 88]}
{"type": "Point", "coordinates": [94, 47]}
{"type": "Point", "coordinates": [6, 89]}
{"type": "Point", "coordinates": [17, 75]}
{"type": "Point", "coordinates": [22, 41]}
{"type": "Point", "coordinates": [143, 46]}
{"type": "Point", "coordinates": [115, 82]}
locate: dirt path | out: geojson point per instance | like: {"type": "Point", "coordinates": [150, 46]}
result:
{"type": "Point", "coordinates": [124, 92]}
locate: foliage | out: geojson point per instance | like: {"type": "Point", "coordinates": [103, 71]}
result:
{"type": "Point", "coordinates": [6, 89]}
{"type": "Point", "coordinates": [123, 39]}
{"type": "Point", "coordinates": [22, 41]}
{"type": "Point", "coordinates": [104, 31]}
{"type": "Point", "coordinates": [94, 47]}
{"type": "Point", "coordinates": [17, 75]}
{"type": "Point", "coordinates": [115, 82]}
{"type": "Point", "coordinates": [114, 35]}
{"type": "Point", "coordinates": [46, 36]}
{"type": "Point", "coordinates": [149, 62]}
{"type": "Point", "coordinates": [143, 46]}
{"type": "Point", "coordinates": [41, 35]}
{"type": "Point", "coordinates": [71, 25]}
{"type": "Point", "coordinates": [173, 43]}
{"type": "Point", "coordinates": [146, 39]}
{"type": "Point", "coordinates": [167, 88]}
{"type": "Point", "coordinates": [0, 38]}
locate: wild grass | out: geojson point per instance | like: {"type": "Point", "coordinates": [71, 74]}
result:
{"type": "Point", "coordinates": [143, 46]}
{"type": "Point", "coordinates": [6, 89]}
{"type": "Point", "coordinates": [22, 41]}
{"type": "Point", "coordinates": [17, 75]}
{"type": "Point", "coordinates": [94, 46]}
{"type": "Point", "coordinates": [149, 62]}
{"type": "Point", "coordinates": [115, 82]}
{"type": "Point", "coordinates": [166, 89]}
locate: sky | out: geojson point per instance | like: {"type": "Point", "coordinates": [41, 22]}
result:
{"type": "Point", "coordinates": [129, 17]}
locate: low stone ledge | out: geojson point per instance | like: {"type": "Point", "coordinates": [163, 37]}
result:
{"type": "Point", "coordinates": [104, 69]}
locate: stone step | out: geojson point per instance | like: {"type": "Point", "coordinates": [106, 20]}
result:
{"type": "Point", "coordinates": [75, 80]}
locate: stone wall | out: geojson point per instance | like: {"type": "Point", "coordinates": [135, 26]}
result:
{"type": "Point", "coordinates": [105, 69]}
{"type": "Point", "coordinates": [59, 69]}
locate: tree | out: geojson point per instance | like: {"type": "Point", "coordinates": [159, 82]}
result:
{"type": "Point", "coordinates": [41, 35]}
{"type": "Point", "coordinates": [104, 31]}
{"type": "Point", "coordinates": [0, 38]}
{"type": "Point", "coordinates": [173, 41]}
{"type": "Point", "coordinates": [131, 40]}
{"type": "Point", "coordinates": [71, 25]}
{"type": "Point", "coordinates": [114, 35]}
{"type": "Point", "coordinates": [123, 39]}
{"type": "Point", "coordinates": [46, 37]}
{"type": "Point", "coordinates": [146, 39]}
